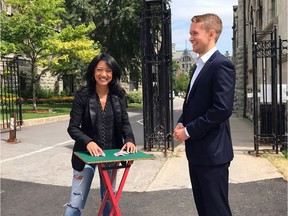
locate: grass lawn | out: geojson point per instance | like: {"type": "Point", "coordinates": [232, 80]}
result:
{"type": "Point", "coordinates": [56, 110]}
{"type": "Point", "coordinates": [280, 162]}
{"type": "Point", "coordinates": [135, 105]}
{"type": "Point", "coordinates": [51, 110]}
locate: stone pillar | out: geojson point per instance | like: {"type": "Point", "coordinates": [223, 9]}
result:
{"type": "Point", "coordinates": [239, 62]}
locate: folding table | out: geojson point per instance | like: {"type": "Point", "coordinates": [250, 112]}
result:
{"type": "Point", "coordinates": [108, 158]}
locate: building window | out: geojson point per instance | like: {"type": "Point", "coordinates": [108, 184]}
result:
{"type": "Point", "coordinates": [260, 14]}
{"type": "Point", "coordinates": [273, 9]}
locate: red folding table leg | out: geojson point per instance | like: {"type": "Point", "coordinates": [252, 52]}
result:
{"type": "Point", "coordinates": [109, 190]}
{"type": "Point", "coordinates": [108, 183]}
{"type": "Point", "coordinates": [122, 183]}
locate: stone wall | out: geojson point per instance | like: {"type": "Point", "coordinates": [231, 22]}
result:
{"type": "Point", "coordinates": [51, 82]}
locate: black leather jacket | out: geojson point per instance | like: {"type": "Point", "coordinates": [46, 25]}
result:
{"type": "Point", "coordinates": [82, 122]}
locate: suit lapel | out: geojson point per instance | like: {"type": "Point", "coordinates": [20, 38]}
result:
{"type": "Point", "coordinates": [93, 108]}
{"type": "Point", "coordinates": [116, 108]}
{"type": "Point", "coordinates": [187, 91]}
{"type": "Point", "coordinates": [188, 88]}
{"type": "Point", "coordinates": [202, 73]}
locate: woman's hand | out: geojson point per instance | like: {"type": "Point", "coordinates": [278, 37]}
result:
{"type": "Point", "coordinates": [94, 149]}
{"type": "Point", "coordinates": [129, 147]}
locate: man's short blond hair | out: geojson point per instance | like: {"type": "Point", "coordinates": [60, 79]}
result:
{"type": "Point", "coordinates": [210, 21]}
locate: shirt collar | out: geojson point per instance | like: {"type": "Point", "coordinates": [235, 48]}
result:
{"type": "Point", "coordinates": [207, 55]}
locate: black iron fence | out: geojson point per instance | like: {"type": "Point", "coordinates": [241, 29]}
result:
{"type": "Point", "coordinates": [269, 90]}
{"type": "Point", "coordinates": [10, 98]}
{"type": "Point", "coordinates": [157, 75]}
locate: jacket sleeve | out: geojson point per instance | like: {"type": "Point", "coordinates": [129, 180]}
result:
{"type": "Point", "coordinates": [127, 131]}
{"type": "Point", "coordinates": [180, 120]}
{"type": "Point", "coordinates": [76, 118]}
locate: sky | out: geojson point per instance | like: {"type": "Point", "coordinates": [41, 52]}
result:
{"type": "Point", "coordinates": [183, 10]}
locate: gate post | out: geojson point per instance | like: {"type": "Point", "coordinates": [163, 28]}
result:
{"type": "Point", "coordinates": [12, 134]}
{"type": "Point", "coordinates": [157, 75]}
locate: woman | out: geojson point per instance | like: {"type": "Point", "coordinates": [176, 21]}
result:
{"type": "Point", "coordinates": [98, 120]}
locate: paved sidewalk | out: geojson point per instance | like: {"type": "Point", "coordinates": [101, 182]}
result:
{"type": "Point", "coordinates": [159, 173]}
{"type": "Point", "coordinates": [40, 166]}
{"type": "Point", "coordinates": [174, 172]}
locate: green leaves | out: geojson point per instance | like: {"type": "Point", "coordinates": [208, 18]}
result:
{"type": "Point", "coordinates": [117, 29]}
{"type": "Point", "coordinates": [31, 25]}
{"type": "Point", "coordinates": [180, 82]}
{"type": "Point", "coordinates": [73, 46]}
{"type": "Point", "coordinates": [36, 32]}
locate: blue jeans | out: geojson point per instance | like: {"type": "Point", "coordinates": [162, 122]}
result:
{"type": "Point", "coordinates": [81, 184]}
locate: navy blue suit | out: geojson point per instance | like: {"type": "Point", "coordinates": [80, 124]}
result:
{"type": "Point", "coordinates": [206, 113]}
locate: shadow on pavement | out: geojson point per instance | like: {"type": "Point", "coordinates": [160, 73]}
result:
{"type": "Point", "coordinates": [265, 198]}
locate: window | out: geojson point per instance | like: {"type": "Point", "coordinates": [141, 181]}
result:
{"type": "Point", "coordinates": [273, 9]}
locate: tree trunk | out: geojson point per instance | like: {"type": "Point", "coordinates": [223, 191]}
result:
{"type": "Point", "coordinates": [34, 83]}
{"type": "Point", "coordinates": [34, 95]}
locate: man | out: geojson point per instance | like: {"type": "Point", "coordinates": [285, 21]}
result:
{"type": "Point", "coordinates": [204, 123]}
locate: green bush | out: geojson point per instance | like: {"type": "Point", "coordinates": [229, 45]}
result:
{"type": "Point", "coordinates": [180, 83]}
{"type": "Point", "coordinates": [52, 100]}
{"type": "Point", "coordinates": [134, 97]}
{"type": "Point", "coordinates": [285, 153]}
{"type": "Point", "coordinates": [44, 93]}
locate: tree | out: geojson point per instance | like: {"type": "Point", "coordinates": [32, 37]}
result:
{"type": "Point", "coordinates": [117, 29]}
{"type": "Point", "coordinates": [76, 51]}
{"type": "Point", "coordinates": [28, 31]}
{"type": "Point", "coordinates": [180, 83]}
{"type": "Point", "coordinates": [33, 32]}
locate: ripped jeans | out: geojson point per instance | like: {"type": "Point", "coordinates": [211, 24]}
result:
{"type": "Point", "coordinates": [81, 184]}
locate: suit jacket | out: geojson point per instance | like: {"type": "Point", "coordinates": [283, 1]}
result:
{"type": "Point", "coordinates": [206, 113]}
{"type": "Point", "coordinates": [83, 120]}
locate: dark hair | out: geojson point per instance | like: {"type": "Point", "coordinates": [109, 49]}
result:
{"type": "Point", "coordinates": [114, 85]}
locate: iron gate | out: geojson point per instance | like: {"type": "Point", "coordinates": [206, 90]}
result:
{"type": "Point", "coordinates": [270, 119]}
{"type": "Point", "coordinates": [10, 100]}
{"type": "Point", "coordinates": [156, 75]}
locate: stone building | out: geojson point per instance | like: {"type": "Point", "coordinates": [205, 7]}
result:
{"type": "Point", "coordinates": [185, 59]}
{"type": "Point", "coordinates": [252, 16]}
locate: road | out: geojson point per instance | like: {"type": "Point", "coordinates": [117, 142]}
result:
{"type": "Point", "coordinates": [36, 177]}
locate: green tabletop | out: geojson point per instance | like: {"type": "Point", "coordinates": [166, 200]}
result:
{"type": "Point", "coordinates": [110, 157]}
